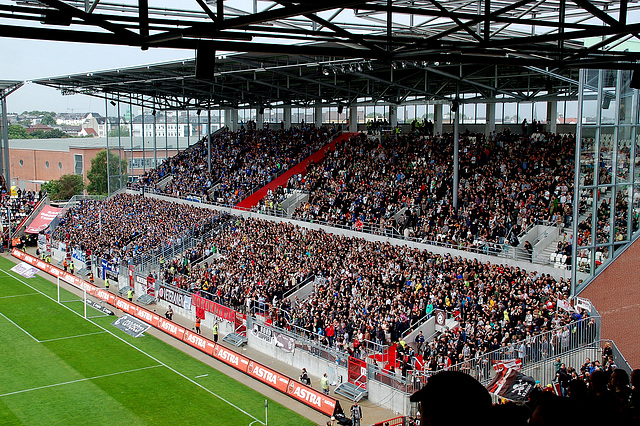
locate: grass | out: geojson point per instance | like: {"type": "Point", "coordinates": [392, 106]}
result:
{"type": "Point", "coordinates": [58, 368]}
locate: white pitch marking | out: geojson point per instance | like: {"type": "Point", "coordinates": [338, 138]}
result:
{"type": "Point", "coordinates": [23, 330]}
{"type": "Point", "coordinates": [20, 295]}
{"type": "Point", "coordinates": [72, 337]}
{"type": "Point", "coordinates": [79, 380]}
{"type": "Point", "coordinates": [136, 348]}
{"type": "Point", "coordinates": [202, 375]}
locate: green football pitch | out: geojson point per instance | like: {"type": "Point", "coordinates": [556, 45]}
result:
{"type": "Point", "coordinates": [56, 367]}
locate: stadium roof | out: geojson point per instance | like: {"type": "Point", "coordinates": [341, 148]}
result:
{"type": "Point", "coordinates": [9, 86]}
{"type": "Point", "coordinates": [546, 33]}
{"type": "Point", "coordinates": [301, 52]}
{"type": "Point", "coordinates": [250, 79]}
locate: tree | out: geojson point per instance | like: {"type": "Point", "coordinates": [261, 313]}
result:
{"type": "Point", "coordinates": [65, 187]}
{"type": "Point", "coordinates": [124, 132]}
{"type": "Point", "coordinates": [48, 120]}
{"type": "Point", "coordinates": [97, 175]}
{"type": "Point", "coordinates": [55, 134]}
{"type": "Point", "coordinates": [16, 131]}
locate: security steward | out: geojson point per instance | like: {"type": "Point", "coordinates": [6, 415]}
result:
{"type": "Point", "coordinates": [130, 295]}
{"type": "Point", "coordinates": [215, 332]}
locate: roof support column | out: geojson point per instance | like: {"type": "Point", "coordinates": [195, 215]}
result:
{"type": "Point", "coordinates": [231, 119]}
{"type": "Point", "coordinates": [259, 118]}
{"type": "Point", "coordinates": [437, 119]}
{"type": "Point", "coordinates": [456, 147]}
{"type": "Point", "coordinates": [552, 116]}
{"type": "Point", "coordinates": [491, 118]}
{"type": "Point", "coordinates": [353, 118]}
{"type": "Point", "coordinates": [287, 116]}
{"type": "Point", "coordinates": [4, 135]}
{"type": "Point", "coordinates": [393, 115]}
{"type": "Point", "coordinates": [318, 115]}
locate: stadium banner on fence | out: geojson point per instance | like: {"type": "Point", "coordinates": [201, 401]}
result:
{"type": "Point", "coordinates": [583, 303]}
{"type": "Point", "coordinates": [79, 255]}
{"type": "Point", "coordinates": [286, 343]}
{"type": "Point", "coordinates": [108, 270]}
{"type": "Point", "coordinates": [262, 332]}
{"type": "Point", "coordinates": [151, 286]}
{"type": "Point", "coordinates": [305, 394]}
{"type": "Point", "coordinates": [216, 309]}
{"type": "Point", "coordinates": [148, 284]}
{"type": "Point", "coordinates": [174, 297]}
{"type": "Point", "coordinates": [357, 372]}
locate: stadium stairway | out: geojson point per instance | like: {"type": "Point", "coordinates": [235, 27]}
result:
{"type": "Point", "coordinates": [253, 199]}
{"type": "Point", "coordinates": [616, 294]}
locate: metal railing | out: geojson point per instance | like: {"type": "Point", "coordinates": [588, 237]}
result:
{"type": "Point", "coordinates": [536, 348]}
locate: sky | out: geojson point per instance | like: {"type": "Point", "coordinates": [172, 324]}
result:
{"type": "Point", "coordinates": [24, 60]}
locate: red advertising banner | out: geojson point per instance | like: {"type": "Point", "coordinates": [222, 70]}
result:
{"type": "Point", "coordinates": [311, 397]}
{"type": "Point", "coordinates": [357, 369]}
{"type": "Point", "coordinates": [268, 376]}
{"type": "Point", "coordinates": [198, 342]}
{"type": "Point", "coordinates": [171, 328]}
{"type": "Point", "coordinates": [217, 309]}
{"type": "Point", "coordinates": [231, 358]}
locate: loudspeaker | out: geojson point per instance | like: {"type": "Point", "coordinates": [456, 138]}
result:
{"type": "Point", "coordinates": [205, 60]}
{"type": "Point", "coordinates": [261, 110]}
{"type": "Point", "coordinates": [454, 106]}
{"type": "Point", "coordinates": [606, 102]}
{"type": "Point", "coordinates": [340, 108]}
{"type": "Point", "coordinates": [635, 79]}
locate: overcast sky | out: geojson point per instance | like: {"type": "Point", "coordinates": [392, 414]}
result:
{"type": "Point", "coordinates": [32, 59]}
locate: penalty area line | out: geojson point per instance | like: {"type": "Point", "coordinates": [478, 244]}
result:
{"type": "Point", "coordinates": [19, 295]}
{"type": "Point", "coordinates": [136, 348]}
{"type": "Point", "coordinates": [72, 337]}
{"type": "Point", "coordinates": [79, 380]}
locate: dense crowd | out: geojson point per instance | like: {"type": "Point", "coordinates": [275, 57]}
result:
{"type": "Point", "coordinates": [506, 183]}
{"type": "Point", "coordinates": [125, 226]}
{"type": "Point", "coordinates": [371, 291]}
{"type": "Point", "coordinates": [15, 208]}
{"type": "Point", "coordinates": [241, 162]}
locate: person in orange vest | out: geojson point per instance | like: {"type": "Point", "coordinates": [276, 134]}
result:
{"type": "Point", "coordinates": [198, 325]}
{"type": "Point", "coordinates": [64, 265]}
{"type": "Point", "coordinates": [91, 277]}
